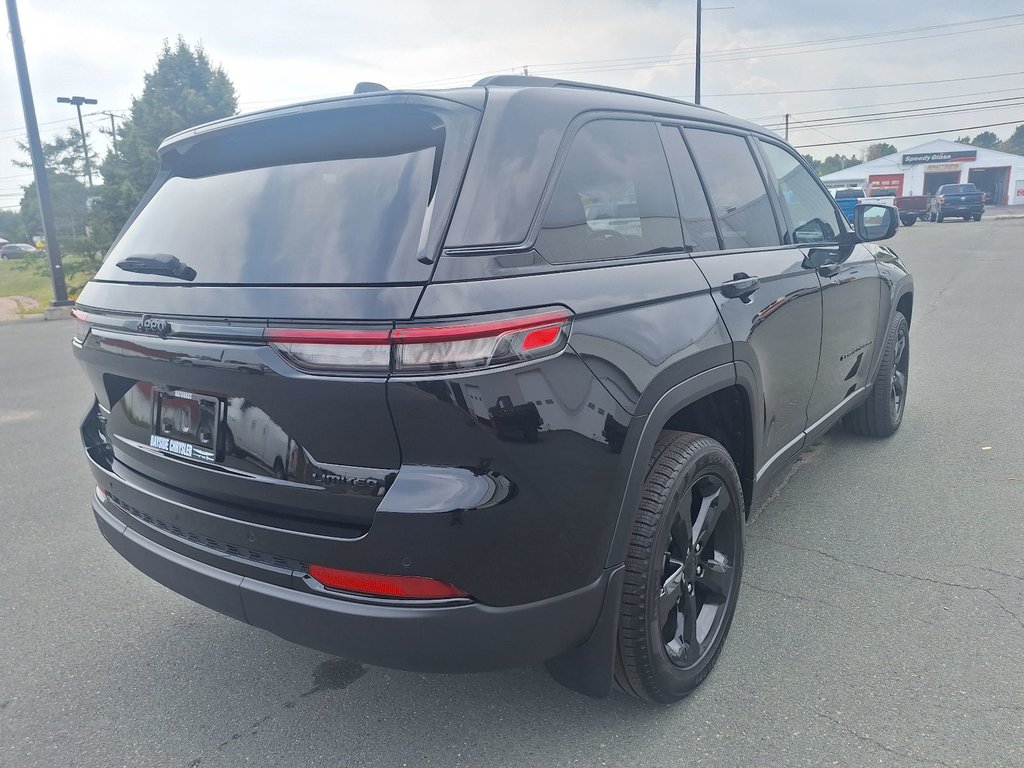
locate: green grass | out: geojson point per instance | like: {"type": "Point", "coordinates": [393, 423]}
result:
{"type": "Point", "coordinates": [31, 277]}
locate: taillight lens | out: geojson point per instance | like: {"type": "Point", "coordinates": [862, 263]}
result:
{"type": "Point", "coordinates": [82, 326]}
{"type": "Point", "coordinates": [333, 350]}
{"type": "Point", "coordinates": [478, 345]}
{"type": "Point", "coordinates": [384, 585]}
{"type": "Point", "coordinates": [412, 349]}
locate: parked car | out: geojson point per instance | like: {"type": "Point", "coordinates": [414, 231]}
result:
{"type": "Point", "coordinates": [18, 251]}
{"type": "Point", "coordinates": [383, 288]}
{"type": "Point", "coordinates": [963, 200]}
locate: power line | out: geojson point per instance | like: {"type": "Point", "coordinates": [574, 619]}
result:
{"type": "Point", "coordinates": [910, 135]}
{"type": "Point", "coordinates": [739, 53]}
{"type": "Point", "coordinates": [929, 114]}
{"type": "Point", "coordinates": [903, 114]}
{"type": "Point", "coordinates": [868, 87]}
{"type": "Point", "coordinates": [641, 61]}
{"type": "Point", "coordinates": [887, 103]}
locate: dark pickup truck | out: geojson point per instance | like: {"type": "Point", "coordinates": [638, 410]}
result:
{"type": "Point", "coordinates": [963, 200]}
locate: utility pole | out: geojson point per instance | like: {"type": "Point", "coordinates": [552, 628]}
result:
{"type": "Point", "coordinates": [35, 146]}
{"type": "Point", "coordinates": [787, 126]}
{"type": "Point", "coordinates": [113, 128]}
{"type": "Point", "coordinates": [696, 68]}
{"type": "Point", "coordinates": [78, 101]}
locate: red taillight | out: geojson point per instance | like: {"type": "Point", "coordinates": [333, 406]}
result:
{"type": "Point", "coordinates": [425, 349]}
{"type": "Point", "coordinates": [540, 338]}
{"type": "Point", "coordinates": [384, 585]}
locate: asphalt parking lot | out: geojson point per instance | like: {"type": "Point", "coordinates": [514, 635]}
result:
{"type": "Point", "coordinates": [881, 620]}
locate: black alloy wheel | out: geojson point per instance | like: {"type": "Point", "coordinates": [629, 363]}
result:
{"type": "Point", "coordinates": [898, 378]}
{"type": "Point", "coordinates": [683, 571]}
{"type": "Point", "coordinates": [881, 414]}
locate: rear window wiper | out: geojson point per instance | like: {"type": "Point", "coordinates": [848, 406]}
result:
{"type": "Point", "coordinates": [157, 264]}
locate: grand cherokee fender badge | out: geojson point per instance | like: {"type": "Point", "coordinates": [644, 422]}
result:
{"type": "Point", "coordinates": [154, 325]}
{"type": "Point", "coordinates": [853, 352]}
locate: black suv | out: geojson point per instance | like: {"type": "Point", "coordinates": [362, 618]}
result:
{"type": "Point", "coordinates": [474, 378]}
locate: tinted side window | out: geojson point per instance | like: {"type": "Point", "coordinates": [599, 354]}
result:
{"type": "Point", "coordinates": [811, 212]}
{"type": "Point", "coordinates": [613, 198]}
{"type": "Point", "coordinates": [737, 192]}
{"type": "Point", "coordinates": [698, 226]}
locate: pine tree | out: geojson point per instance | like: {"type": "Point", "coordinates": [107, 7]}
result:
{"type": "Point", "coordinates": [182, 91]}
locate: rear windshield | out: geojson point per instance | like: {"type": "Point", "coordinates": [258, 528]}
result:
{"type": "Point", "coordinates": [959, 189]}
{"type": "Point", "coordinates": [346, 196]}
{"type": "Point", "coordinates": [849, 194]}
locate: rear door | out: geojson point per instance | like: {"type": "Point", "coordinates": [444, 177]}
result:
{"type": "Point", "coordinates": [769, 298]}
{"type": "Point", "coordinates": [850, 283]}
{"type": "Point", "coordinates": [211, 374]}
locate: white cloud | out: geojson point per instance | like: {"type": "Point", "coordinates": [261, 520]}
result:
{"type": "Point", "coordinates": [277, 52]}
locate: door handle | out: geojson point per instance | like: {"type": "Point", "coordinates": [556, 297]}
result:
{"type": "Point", "coordinates": [829, 270]}
{"type": "Point", "coordinates": [741, 286]}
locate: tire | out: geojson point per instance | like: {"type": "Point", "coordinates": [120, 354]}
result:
{"type": "Point", "coordinates": [882, 413]}
{"type": "Point", "coordinates": [673, 575]}
{"type": "Point", "coordinates": [908, 221]}
{"type": "Point", "coordinates": [977, 217]}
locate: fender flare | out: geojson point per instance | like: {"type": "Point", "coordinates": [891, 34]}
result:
{"type": "Point", "coordinates": [644, 431]}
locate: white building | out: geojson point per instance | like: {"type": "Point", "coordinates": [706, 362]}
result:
{"type": "Point", "coordinates": [923, 169]}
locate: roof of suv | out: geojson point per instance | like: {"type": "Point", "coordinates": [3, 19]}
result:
{"type": "Point", "coordinates": [530, 93]}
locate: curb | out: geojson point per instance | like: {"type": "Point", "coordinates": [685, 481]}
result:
{"type": "Point", "coordinates": [1002, 216]}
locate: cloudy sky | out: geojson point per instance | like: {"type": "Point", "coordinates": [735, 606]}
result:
{"type": "Point", "coordinates": [820, 60]}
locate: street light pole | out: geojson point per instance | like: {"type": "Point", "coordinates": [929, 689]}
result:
{"type": "Point", "coordinates": [35, 147]}
{"type": "Point", "coordinates": [78, 101]}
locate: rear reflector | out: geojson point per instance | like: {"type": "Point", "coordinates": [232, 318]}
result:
{"type": "Point", "coordinates": [425, 349]}
{"type": "Point", "coordinates": [384, 585]}
{"type": "Point", "coordinates": [82, 326]}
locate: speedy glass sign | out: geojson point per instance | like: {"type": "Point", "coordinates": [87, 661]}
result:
{"type": "Point", "coordinates": [957, 156]}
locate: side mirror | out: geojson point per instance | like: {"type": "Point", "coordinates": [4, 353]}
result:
{"type": "Point", "coordinates": [874, 222]}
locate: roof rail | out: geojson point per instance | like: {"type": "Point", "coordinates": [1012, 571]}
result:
{"type": "Point", "coordinates": [528, 81]}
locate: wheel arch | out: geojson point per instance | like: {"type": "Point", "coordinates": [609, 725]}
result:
{"type": "Point", "coordinates": [589, 668]}
{"type": "Point", "coordinates": [720, 403]}
{"type": "Point", "coordinates": [905, 304]}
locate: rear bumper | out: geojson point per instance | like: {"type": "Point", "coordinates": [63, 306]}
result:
{"type": "Point", "coordinates": [464, 637]}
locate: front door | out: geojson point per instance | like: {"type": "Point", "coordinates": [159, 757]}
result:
{"type": "Point", "coordinates": [769, 299]}
{"type": "Point", "coordinates": [850, 285]}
